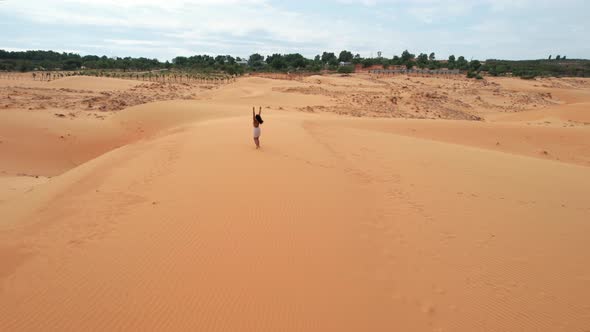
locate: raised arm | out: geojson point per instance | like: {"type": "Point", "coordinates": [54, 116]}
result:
{"type": "Point", "coordinates": [259, 110]}
{"type": "Point", "coordinates": [253, 113]}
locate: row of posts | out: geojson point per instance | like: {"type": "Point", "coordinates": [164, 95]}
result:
{"type": "Point", "coordinates": [164, 78]}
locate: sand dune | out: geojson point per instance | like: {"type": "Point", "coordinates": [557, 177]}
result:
{"type": "Point", "coordinates": [539, 141]}
{"type": "Point", "coordinates": [564, 115]}
{"type": "Point", "coordinates": [93, 83]}
{"type": "Point", "coordinates": [169, 219]}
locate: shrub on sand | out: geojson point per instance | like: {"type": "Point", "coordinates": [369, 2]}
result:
{"type": "Point", "coordinates": [346, 69]}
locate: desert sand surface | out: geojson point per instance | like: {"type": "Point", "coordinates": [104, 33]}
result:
{"type": "Point", "coordinates": [375, 204]}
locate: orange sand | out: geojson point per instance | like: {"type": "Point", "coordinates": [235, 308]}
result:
{"type": "Point", "coordinates": [163, 216]}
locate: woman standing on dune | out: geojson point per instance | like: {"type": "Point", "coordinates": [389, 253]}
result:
{"type": "Point", "coordinates": [256, 122]}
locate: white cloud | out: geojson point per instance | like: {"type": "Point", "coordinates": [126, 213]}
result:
{"type": "Point", "coordinates": [202, 17]}
{"type": "Point", "coordinates": [132, 42]}
{"type": "Point", "coordinates": [160, 28]}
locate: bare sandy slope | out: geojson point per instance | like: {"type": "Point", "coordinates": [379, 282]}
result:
{"type": "Point", "coordinates": [337, 224]}
{"type": "Point", "coordinates": [43, 144]}
{"type": "Point", "coordinates": [11, 186]}
{"type": "Point", "coordinates": [93, 83]}
{"type": "Point", "coordinates": [73, 82]}
{"type": "Point", "coordinates": [544, 141]}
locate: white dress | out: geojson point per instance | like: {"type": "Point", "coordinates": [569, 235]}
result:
{"type": "Point", "coordinates": [256, 132]}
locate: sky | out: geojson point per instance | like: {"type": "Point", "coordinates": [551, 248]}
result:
{"type": "Point", "coordinates": [164, 29]}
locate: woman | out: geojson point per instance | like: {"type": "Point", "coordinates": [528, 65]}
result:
{"type": "Point", "coordinates": [256, 122]}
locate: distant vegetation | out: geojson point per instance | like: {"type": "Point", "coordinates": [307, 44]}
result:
{"type": "Point", "coordinates": [344, 62]}
{"type": "Point", "coordinates": [531, 68]}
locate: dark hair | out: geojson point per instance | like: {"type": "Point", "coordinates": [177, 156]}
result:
{"type": "Point", "coordinates": [259, 119]}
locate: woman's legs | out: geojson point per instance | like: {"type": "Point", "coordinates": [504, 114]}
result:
{"type": "Point", "coordinates": [257, 141]}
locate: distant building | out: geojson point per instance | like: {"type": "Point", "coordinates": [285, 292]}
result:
{"type": "Point", "coordinates": [342, 63]}
{"type": "Point", "coordinates": [242, 62]}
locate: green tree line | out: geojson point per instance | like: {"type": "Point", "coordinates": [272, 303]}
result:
{"type": "Point", "coordinates": [559, 67]}
{"type": "Point", "coordinates": [293, 62]}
